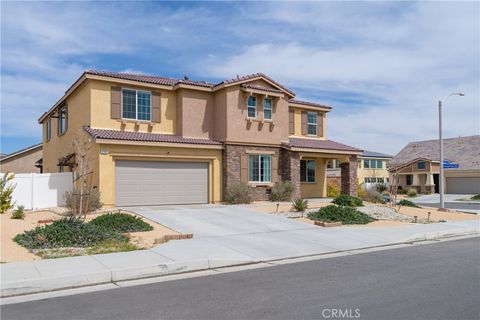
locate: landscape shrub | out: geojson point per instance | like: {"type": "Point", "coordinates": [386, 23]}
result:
{"type": "Point", "coordinates": [121, 223]}
{"type": "Point", "coordinates": [67, 232]}
{"type": "Point", "coordinates": [381, 187]}
{"type": "Point", "coordinates": [372, 195]}
{"type": "Point", "coordinates": [19, 213]}
{"type": "Point", "coordinates": [361, 191]}
{"type": "Point", "coordinates": [282, 191]}
{"type": "Point", "coordinates": [348, 201]}
{"type": "Point", "coordinates": [6, 190]}
{"type": "Point", "coordinates": [411, 192]}
{"type": "Point", "coordinates": [401, 191]}
{"type": "Point", "coordinates": [475, 197]}
{"type": "Point", "coordinates": [239, 192]}
{"type": "Point", "coordinates": [333, 189]}
{"type": "Point", "coordinates": [346, 215]}
{"type": "Point", "coordinates": [110, 246]}
{"type": "Point", "coordinates": [407, 203]}
{"type": "Point", "coordinates": [94, 201]}
{"type": "Point", "coordinates": [300, 205]}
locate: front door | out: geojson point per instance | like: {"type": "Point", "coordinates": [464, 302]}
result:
{"type": "Point", "coordinates": [436, 181]}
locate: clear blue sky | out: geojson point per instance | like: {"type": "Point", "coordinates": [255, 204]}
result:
{"type": "Point", "coordinates": [381, 65]}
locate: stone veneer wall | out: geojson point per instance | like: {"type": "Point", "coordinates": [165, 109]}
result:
{"type": "Point", "coordinates": [289, 169]}
{"type": "Point", "coordinates": [349, 176]}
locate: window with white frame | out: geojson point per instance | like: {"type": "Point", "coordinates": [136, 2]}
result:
{"type": "Point", "coordinates": [259, 168]}
{"type": "Point", "coordinates": [48, 129]}
{"type": "Point", "coordinates": [252, 107]}
{"type": "Point", "coordinates": [379, 164]}
{"type": "Point", "coordinates": [267, 109]}
{"type": "Point", "coordinates": [136, 104]}
{"type": "Point", "coordinates": [62, 120]}
{"type": "Point", "coordinates": [312, 123]}
{"type": "Point", "coordinates": [307, 170]}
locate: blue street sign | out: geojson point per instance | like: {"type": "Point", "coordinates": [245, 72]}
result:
{"type": "Point", "coordinates": [451, 166]}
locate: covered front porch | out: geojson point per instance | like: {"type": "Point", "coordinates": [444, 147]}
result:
{"type": "Point", "coordinates": [307, 162]}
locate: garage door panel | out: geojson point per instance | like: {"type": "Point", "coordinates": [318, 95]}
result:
{"type": "Point", "coordinates": [463, 185]}
{"type": "Point", "coordinates": [157, 183]}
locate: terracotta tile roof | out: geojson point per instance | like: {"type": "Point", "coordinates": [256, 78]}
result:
{"type": "Point", "coordinates": [309, 103]}
{"type": "Point", "coordinates": [320, 144]}
{"type": "Point", "coordinates": [144, 136]}
{"type": "Point", "coordinates": [250, 86]}
{"type": "Point", "coordinates": [253, 76]}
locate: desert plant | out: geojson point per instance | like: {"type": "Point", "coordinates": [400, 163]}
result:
{"type": "Point", "coordinates": [6, 190]}
{"type": "Point", "coordinates": [361, 190]}
{"type": "Point", "coordinates": [121, 222]}
{"type": "Point", "coordinates": [475, 197]}
{"type": "Point", "coordinates": [407, 203]}
{"type": "Point", "coordinates": [374, 196]}
{"type": "Point", "coordinates": [381, 187]}
{"type": "Point", "coordinates": [239, 192]}
{"type": "Point", "coordinates": [19, 213]}
{"type": "Point", "coordinates": [93, 202]}
{"type": "Point", "coordinates": [110, 246]}
{"type": "Point", "coordinates": [401, 191]}
{"type": "Point", "coordinates": [282, 191]}
{"type": "Point", "coordinates": [300, 205]}
{"type": "Point", "coordinates": [333, 189]}
{"type": "Point", "coordinates": [348, 201]}
{"type": "Point", "coordinates": [346, 215]}
{"type": "Point", "coordinates": [411, 192]}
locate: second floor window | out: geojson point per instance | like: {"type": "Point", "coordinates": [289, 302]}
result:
{"type": "Point", "coordinates": [48, 129]}
{"type": "Point", "coordinates": [252, 107]}
{"type": "Point", "coordinates": [421, 165]}
{"type": "Point", "coordinates": [259, 168]}
{"type": "Point", "coordinates": [312, 123]}
{"type": "Point", "coordinates": [136, 104]}
{"type": "Point", "coordinates": [62, 120]}
{"type": "Point", "coordinates": [267, 109]}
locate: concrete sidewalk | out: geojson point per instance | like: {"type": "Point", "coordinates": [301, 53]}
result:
{"type": "Point", "coordinates": [210, 252]}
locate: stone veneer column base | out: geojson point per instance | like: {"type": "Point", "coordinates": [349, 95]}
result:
{"type": "Point", "coordinates": [349, 176]}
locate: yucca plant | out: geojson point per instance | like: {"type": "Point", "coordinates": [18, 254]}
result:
{"type": "Point", "coordinates": [300, 205]}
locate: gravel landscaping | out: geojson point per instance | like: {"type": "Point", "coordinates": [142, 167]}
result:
{"type": "Point", "coordinates": [383, 213]}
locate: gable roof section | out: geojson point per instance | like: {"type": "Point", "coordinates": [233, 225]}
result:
{"type": "Point", "coordinates": [144, 137]}
{"type": "Point", "coordinates": [462, 150]}
{"type": "Point", "coordinates": [310, 104]}
{"type": "Point", "coordinates": [250, 77]}
{"type": "Point", "coordinates": [320, 144]}
{"type": "Point", "coordinates": [19, 152]}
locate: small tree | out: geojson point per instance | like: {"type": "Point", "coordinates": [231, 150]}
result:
{"type": "Point", "coordinates": [6, 190]}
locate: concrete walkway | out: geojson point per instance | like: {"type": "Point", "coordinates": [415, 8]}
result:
{"type": "Point", "coordinates": [228, 243]}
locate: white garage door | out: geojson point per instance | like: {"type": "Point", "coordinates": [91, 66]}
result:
{"type": "Point", "coordinates": [156, 183]}
{"type": "Point", "coordinates": [463, 185]}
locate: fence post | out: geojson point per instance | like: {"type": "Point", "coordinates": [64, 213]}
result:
{"type": "Point", "coordinates": [33, 192]}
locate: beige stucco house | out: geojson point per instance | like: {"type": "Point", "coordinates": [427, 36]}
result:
{"type": "Point", "coordinates": [157, 140]}
{"type": "Point", "coordinates": [27, 160]}
{"type": "Point", "coordinates": [417, 166]}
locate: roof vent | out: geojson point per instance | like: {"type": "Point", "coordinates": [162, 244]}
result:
{"type": "Point", "coordinates": [185, 77]}
{"type": "Point", "coordinates": [238, 77]}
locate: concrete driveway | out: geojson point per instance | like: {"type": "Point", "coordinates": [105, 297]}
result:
{"type": "Point", "coordinates": [451, 202]}
{"type": "Point", "coordinates": [218, 220]}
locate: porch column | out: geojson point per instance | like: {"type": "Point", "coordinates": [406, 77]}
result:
{"type": "Point", "coordinates": [289, 165]}
{"type": "Point", "coordinates": [349, 176]}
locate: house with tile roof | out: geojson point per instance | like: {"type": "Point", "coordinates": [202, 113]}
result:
{"type": "Point", "coordinates": [417, 165]}
{"type": "Point", "coordinates": [157, 140]}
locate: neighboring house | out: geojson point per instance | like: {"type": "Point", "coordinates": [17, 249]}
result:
{"type": "Point", "coordinates": [372, 168]}
{"type": "Point", "coordinates": [23, 161]}
{"type": "Point", "coordinates": [158, 140]}
{"type": "Point", "coordinates": [418, 165]}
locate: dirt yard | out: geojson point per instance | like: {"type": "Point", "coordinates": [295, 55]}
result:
{"type": "Point", "coordinates": [10, 251]}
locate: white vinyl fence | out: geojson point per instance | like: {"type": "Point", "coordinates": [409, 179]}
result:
{"type": "Point", "coordinates": [41, 190]}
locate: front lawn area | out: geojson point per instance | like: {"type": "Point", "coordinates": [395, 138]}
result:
{"type": "Point", "coordinates": [346, 215]}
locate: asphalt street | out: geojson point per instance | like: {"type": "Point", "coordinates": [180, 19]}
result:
{"type": "Point", "coordinates": [436, 281]}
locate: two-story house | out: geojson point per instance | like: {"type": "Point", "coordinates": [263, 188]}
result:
{"type": "Point", "coordinates": [157, 140]}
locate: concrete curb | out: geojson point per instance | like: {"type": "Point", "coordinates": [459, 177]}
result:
{"type": "Point", "coordinates": [24, 278]}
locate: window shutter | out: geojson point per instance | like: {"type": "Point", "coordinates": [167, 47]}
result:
{"type": "Point", "coordinates": [116, 106]}
{"type": "Point", "coordinates": [291, 121]}
{"type": "Point", "coordinates": [304, 123]}
{"type": "Point", "coordinates": [274, 169]}
{"type": "Point", "coordinates": [320, 124]}
{"type": "Point", "coordinates": [244, 168]}
{"type": "Point", "coordinates": [156, 107]}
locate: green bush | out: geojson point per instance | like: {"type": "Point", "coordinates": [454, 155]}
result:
{"type": "Point", "coordinates": [401, 191]}
{"type": "Point", "coordinates": [411, 192]}
{"type": "Point", "coordinates": [407, 203]}
{"type": "Point", "coordinates": [239, 193]}
{"type": "Point", "coordinates": [348, 201]}
{"type": "Point", "coordinates": [67, 232]}
{"type": "Point", "coordinates": [282, 191]}
{"type": "Point", "coordinates": [372, 195]}
{"type": "Point", "coordinates": [19, 213]}
{"type": "Point", "coordinates": [120, 222]}
{"type": "Point", "coordinates": [346, 215]}
{"type": "Point", "coordinates": [94, 200]}
{"type": "Point", "coordinates": [333, 189]}
{"type": "Point", "coordinates": [300, 205]}
{"type": "Point", "coordinates": [6, 190]}
{"type": "Point", "coordinates": [475, 197]}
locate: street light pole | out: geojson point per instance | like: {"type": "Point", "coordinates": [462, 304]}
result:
{"type": "Point", "coordinates": [440, 139]}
